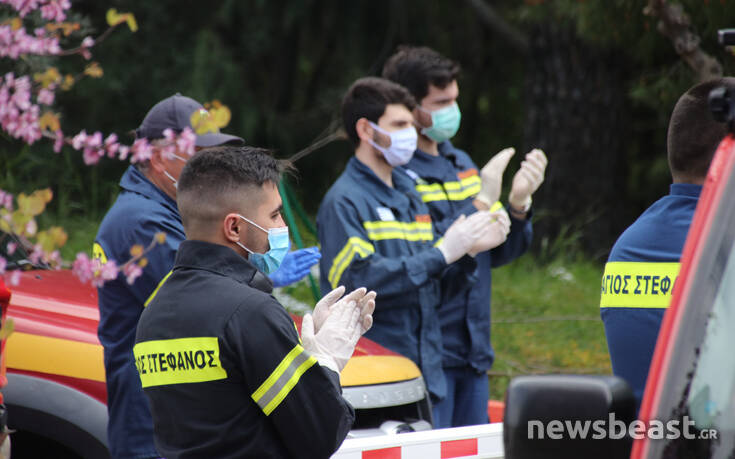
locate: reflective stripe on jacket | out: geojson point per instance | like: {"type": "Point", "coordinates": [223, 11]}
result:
{"type": "Point", "coordinates": [224, 370]}
{"type": "Point", "coordinates": [383, 238]}
{"type": "Point", "coordinates": [448, 184]}
{"type": "Point", "coordinates": [639, 277]}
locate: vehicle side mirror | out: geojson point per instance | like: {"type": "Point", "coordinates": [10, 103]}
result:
{"type": "Point", "coordinates": [568, 416]}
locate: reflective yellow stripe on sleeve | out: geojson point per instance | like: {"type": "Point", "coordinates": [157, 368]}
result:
{"type": "Point", "coordinates": [431, 192]}
{"type": "Point", "coordinates": [178, 361]}
{"type": "Point", "coordinates": [271, 393]}
{"type": "Point", "coordinates": [497, 206]}
{"type": "Point", "coordinates": [158, 287]}
{"type": "Point", "coordinates": [99, 253]}
{"type": "Point", "coordinates": [638, 284]}
{"type": "Point", "coordinates": [451, 191]}
{"type": "Point", "coordinates": [354, 246]}
{"type": "Point", "coordinates": [409, 231]}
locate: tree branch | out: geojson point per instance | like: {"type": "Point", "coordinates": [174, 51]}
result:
{"type": "Point", "coordinates": [492, 20]}
{"type": "Point", "coordinates": [674, 23]}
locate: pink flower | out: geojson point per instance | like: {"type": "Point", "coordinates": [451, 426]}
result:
{"type": "Point", "coordinates": [111, 145]}
{"type": "Point", "coordinates": [88, 42]}
{"type": "Point", "coordinates": [37, 254]}
{"type": "Point", "coordinates": [14, 278]}
{"type": "Point", "coordinates": [11, 247]}
{"type": "Point", "coordinates": [132, 271]}
{"type": "Point", "coordinates": [123, 152]}
{"type": "Point", "coordinates": [186, 142]}
{"type": "Point", "coordinates": [3, 265]}
{"type": "Point", "coordinates": [83, 268]}
{"type": "Point", "coordinates": [45, 96]}
{"type": "Point", "coordinates": [6, 200]}
{"type": "Point", "coordinates": [15, 43]}
{"type": "Point", "coordinates": [108, 271]}
{"type": "Point", "coordinates": [169, 135]}
{"type": "Point", "coordinates": [142, 151]}
{"type": "Point", "coordinates": [91, 156]}
{"type": "Point", "coordinates": [54, 10]}
{"type": "Point", "coordinates": [59, 141]}
{"type": "Point", "coordinates": [31, 227]}
{"type": "Point", "coordinates": [95, 140]}
{"type": "Point", "coordinates": [18, 115]}
{"type": "Point", "coordinates": [79, 140]}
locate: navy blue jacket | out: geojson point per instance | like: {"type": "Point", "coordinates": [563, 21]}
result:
{"type": "Point", "coordinates": [382, 238]}
{"type": "Point", "coordinates": [140, 211]}
{"type": "Point", "coordinates": [639, 278]}
{"type": "Point", "coordinates": [448, 184]}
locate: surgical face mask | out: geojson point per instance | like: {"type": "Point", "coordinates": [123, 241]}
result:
{"type": "Point", "coordinates": [279, 244]}
{"type": "Point", "coordinates": [444, 123]}
{"type": "Point", "coordinates": [402, 145]}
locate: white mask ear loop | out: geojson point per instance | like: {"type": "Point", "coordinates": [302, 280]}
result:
{"type": "Point", "coordinates": [244, 248]}
{"type": "Point", "coordinates": [253, 223]}
{"type": "Point", "coordinates": [176, 183]}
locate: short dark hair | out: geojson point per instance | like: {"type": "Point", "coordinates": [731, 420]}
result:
{"type": "Point", "coordinates": [367, 98]}
{"type": "Point", "coordinates": [212, 178]}
{"type": "Point", "coordinates": [417, 67]}
{"type": "Point", "coordinates": [693, 133]}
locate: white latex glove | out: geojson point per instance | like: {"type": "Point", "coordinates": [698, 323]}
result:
{"type": "Point", "coordinates": [333, 345]}
{"type": "Point", "coordinates": [462, 235]}
{"type": "Point", "coordinates": [493, 234]}
{"type": "Point", "coordinates": [492, 176]}
{"type": "Point", "coordinates": [365, 299]}
{"type": "Point", "coordinates": [367, 307]}
{"type": "Point", "coordinates": [527, 180]}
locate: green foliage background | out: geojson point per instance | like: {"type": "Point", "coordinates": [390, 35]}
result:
{"type": "Point", "coordinates": [282, 67]}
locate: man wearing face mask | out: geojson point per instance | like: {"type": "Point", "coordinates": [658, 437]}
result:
{"type": "Point", "coordinates": [448, 181]}
{"type": "Point", "coordinates": [375, 231]}
{"type": "Point", "coordinates": [219, 358]}
{"type": "Point", "coordinates": [146, 206]}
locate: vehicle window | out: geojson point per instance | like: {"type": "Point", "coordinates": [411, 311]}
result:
{"type": "Point", "coordinates": [711, 399]}
{"type": "Point", "coordinates": [699, 383]}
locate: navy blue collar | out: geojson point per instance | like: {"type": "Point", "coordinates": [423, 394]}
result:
{"type": "Point", "coordinates": [685, 189]}
{"type": "Point", "coordinates": [134, 180]}
{"type": "Point", "coordinates": [402, 184]}
{"type": "Point", "coordinates": [221, 260]}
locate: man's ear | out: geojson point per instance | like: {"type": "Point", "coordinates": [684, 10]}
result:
{"type": "Point", "coordinates": [231, 227]}
{"type": "Point", "coordinates": [364, 130]}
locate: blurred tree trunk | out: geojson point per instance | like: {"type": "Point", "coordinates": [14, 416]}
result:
{"type": "Point", "coordinates": [575, 99]}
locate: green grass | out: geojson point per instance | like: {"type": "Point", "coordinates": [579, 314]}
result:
{"type": "Point", "coordinates": [545, 319]}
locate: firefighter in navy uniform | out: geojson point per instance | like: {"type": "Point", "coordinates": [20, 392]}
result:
{"type": "Point", "coordinates": [449, 183]}
{"type": "Point", "coordinates": [220, 360]}
{"type": "Point", "coordinates": [644, 262]}
{"type": "Point", "coordinates": [375, 231]}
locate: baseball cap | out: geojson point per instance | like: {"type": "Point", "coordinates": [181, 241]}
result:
{"type": "Point", "coordinates": [175, 113]}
